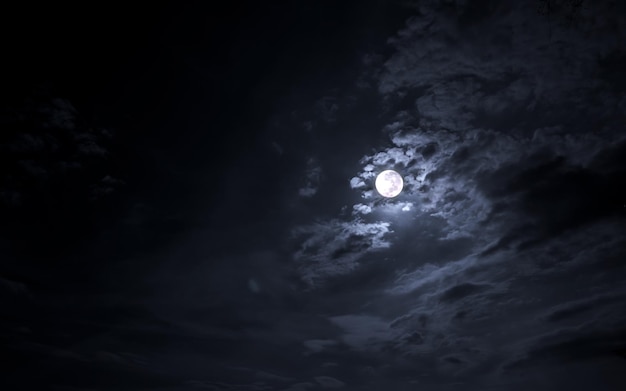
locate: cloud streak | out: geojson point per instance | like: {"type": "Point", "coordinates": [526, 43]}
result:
{"type": "Point", "coordinates": [334, 248]}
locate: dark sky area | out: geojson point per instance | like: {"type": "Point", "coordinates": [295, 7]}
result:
{"type": "Point", "coordinates": [187, 196]}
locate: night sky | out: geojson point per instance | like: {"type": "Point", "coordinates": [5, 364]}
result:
{"type": "Point", "coordinates": [187, 196]}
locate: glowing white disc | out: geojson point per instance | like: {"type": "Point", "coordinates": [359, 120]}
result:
{"type": "Point", "coordinates": [389, 183]}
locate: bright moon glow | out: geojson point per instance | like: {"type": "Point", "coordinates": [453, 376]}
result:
{"type": "Point", "coordinates": [389, 183]}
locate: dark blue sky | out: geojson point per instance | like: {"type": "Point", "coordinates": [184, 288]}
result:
{"type": "Point", "coordinates": [187, 199]}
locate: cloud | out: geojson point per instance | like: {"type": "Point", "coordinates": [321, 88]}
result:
{"type": "Point", "coordinates": [334, 247]}
{"type": "Point", "coordinates": [428, 275]}
{"type": "Point", "coordinates": [307, 191]}
{"type": "Point", "coordinates": [510, 142]}
{"type": "Point", "coordinates": [313, 178]}
{"type": "Point", "coordinates": [11, 197]}
{"type": "Point", "coordinates": [59, 113]}
{"type": "Point", "coordinates": [126, 359]}
{"type": "Point", "coordinates": [32, 143]}
{"type": "Point", "coordinates": [88, 145]}
{"type": "Point", "coordinates": [105, 187]}
{"type": "Point", "coordinates": [13, 287]}
{"type": "Point", "coordinates": [482, 111]}
{"type": "Point", "coordinates": [221, 386]}
{"type": "Point", "coordinates": [356, 183]}
{"type": "Point", "coordinates": [458, 183]}
{"type": "Point", "coordinates": [329, 382]}
{"type": "Point", "coordinates": [46, 143]}
{"type": "Point", "coordinates": [272, 377]}
{"type": "Point", "coordinates": [462, 291]}
{"type": "Point", "coordinates": [277, 148]}
{"type": "Point", "coordinates": [327, 108]}
{"type": "Point", "coordinates": [498, 47]}
{"type": "Point", "coordinates": [300, 387]}
{"type": "Point", "coordinates": [361, 209]}
{"type": "Point", "coordinates": [511, 288]}
{"type": "Point", "coordinates": [583, 307]}
{"type": "Point", "coordinates": [571, 344]}
{"type": "Point", "coordinates": [318, 345]}
{"type": "Point", "coordinates": [364, 332]}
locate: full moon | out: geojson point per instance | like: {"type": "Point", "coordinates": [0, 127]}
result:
{"type": "Point", "coordinates": [389, 183]}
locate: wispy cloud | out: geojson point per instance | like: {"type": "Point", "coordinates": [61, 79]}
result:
{"type": "Point", "coordinates": [333, 248]}
{"type": "Point", "coordinates": [329, 382]}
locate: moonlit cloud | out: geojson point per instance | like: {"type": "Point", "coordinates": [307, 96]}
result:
{"type": "Point", "coordinates": [334, 247]}
{"type": "Point", "coordinates": [361, 209]}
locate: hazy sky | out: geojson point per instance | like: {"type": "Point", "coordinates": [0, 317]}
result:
{"type": "Point", "coordinates": [187, 196]}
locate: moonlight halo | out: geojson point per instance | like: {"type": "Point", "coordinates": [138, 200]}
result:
{"type": "Point", "coordinates": [389, 183]}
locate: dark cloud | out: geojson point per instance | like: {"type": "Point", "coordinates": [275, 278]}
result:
{"type": "Point", "coordinates": [53, 162]}
{"type": "Point", "coordinates": [453, 360]}
{"type": "Point", "coordinates": [566, 345]}
{"type": "Point", "coordinates": [105, 187]}
{"type": "Point", "coordinates": [13, 287]}
{"type": "Point", "coordinates": [300, 387]}
{"type": "Point", "coordinates": [414, 338]}
{"type": "Point", "coordinates": [582, 307]}
{"type": "Point", "coordinates": [329, 382]}
{"type": "Point", "coordinates": [313, 178]}
{"type": "Point", "coordinates": [461, 291]}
